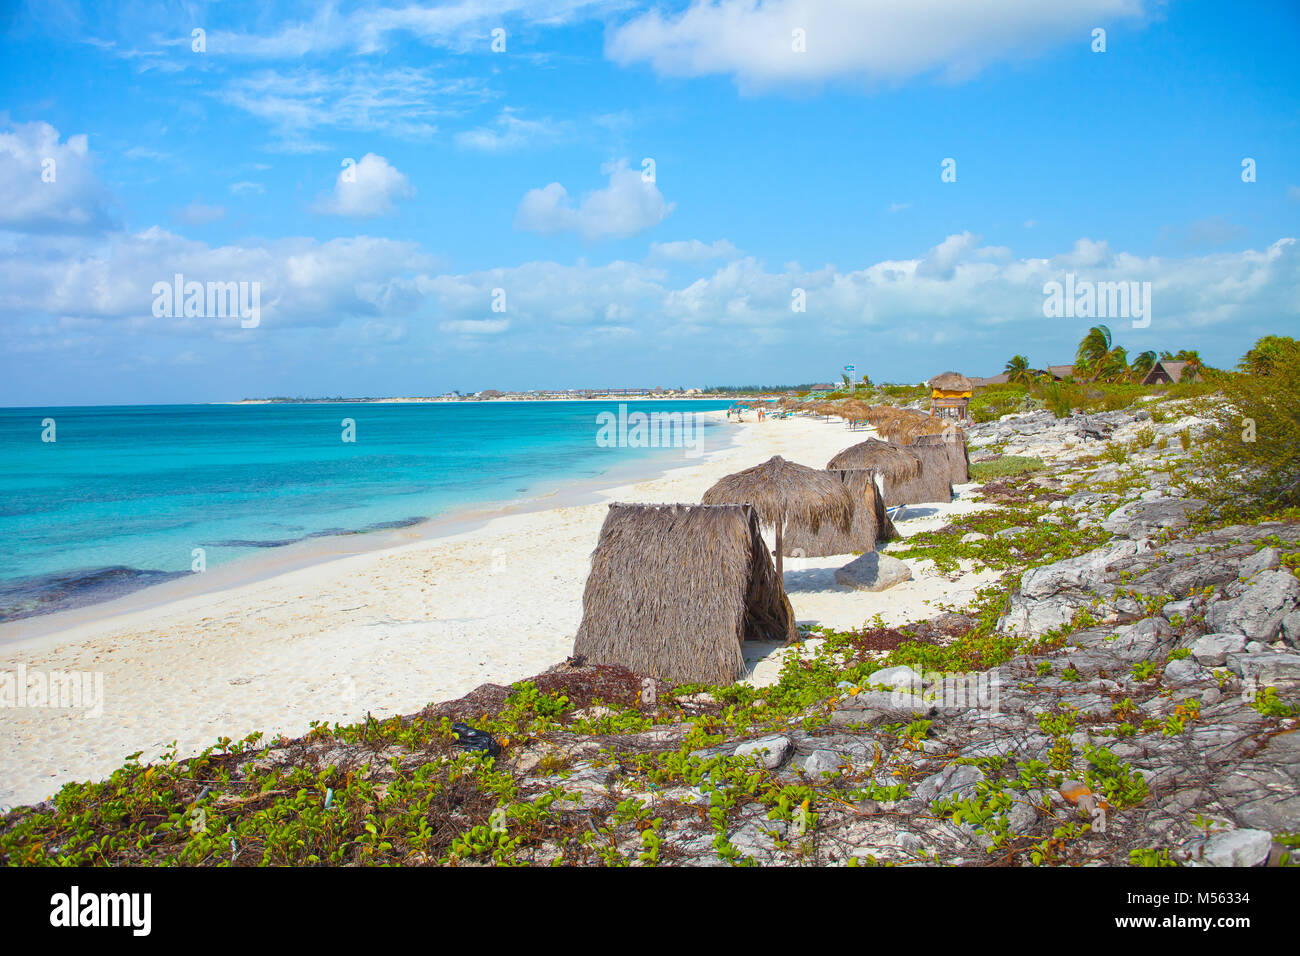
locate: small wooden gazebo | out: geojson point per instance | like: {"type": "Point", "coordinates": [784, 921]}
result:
{"type": "Point", "coordinates": [950, 395]}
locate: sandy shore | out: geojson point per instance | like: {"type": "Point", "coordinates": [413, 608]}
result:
{"type": "Point", "coordinates": [388, 631]}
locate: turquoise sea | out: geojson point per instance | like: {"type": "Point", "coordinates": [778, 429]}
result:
{"type": "Point", "coordinates": [123, 495]}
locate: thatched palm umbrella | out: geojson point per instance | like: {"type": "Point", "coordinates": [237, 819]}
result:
{"type": "Point", "coordinates": [783, 491]}
{"type": "Point", "coordinates": [870, 524]}
{"type": "Point", "coordinates": [675, 590]}
{"type": "Point", "coordinates": [853, 411]}
{"type": "Point", "coordinates": [907, 481]}
{"type": "Point", "coordinates": [894, 464]}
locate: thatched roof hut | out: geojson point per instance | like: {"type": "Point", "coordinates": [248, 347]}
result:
{"type": "Point", "coordinates": [869, 526]}
{"type": "Point", "coordinates": [954, 443]}
{"type": "Point", "coordinates": [951, 382]}
{"type": "Point", "coordinates": [786, 493]}
{"type": "Point", "coordinates": [906, 479]}
{"type": "Point", "coordinates": [935, 483]}
{"type": "Point", "coordinates": [675, 589]}
{"type": "Point", "coordinates": [950, 395]}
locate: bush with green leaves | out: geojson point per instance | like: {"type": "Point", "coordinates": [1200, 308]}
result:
{"type": "Point", "coordinates": [1250, 458]}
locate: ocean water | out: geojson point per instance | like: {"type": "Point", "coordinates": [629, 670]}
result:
{"type": "Point", "coordinates": [124, 495]}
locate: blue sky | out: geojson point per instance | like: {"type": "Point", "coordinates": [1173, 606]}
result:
{"type": "Point", "coordinates": [521, 170]}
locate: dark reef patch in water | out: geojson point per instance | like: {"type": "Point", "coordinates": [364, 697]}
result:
{"type": "Point", "coordinates": [47, 593]}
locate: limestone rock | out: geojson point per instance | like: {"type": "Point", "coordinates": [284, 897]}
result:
{"type": "Point", "coordinates": [1141, 519]}
{"type": "Point", "coordinates": [1212, 650]}
{"type": "Point", "coordinates": [1259, 611]}
{"type": "Point", "coordinates": [771, 751]}
{"type": "Point", "coordinates": [1234, 848]}
{"type": "Point", "coordinates": [873, 571]}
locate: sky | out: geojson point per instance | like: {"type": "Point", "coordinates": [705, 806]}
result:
{"type": "Point", "coordinates": [520, 194]}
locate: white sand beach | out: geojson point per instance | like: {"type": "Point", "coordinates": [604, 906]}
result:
{"type": "Point", "coordinates": [389, 631]}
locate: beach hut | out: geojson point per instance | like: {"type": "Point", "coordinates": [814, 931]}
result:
{"type": "Point", "coordinates": [906, 480]}
{"type": "Point", "coordinates": [786, 493]}
{"type": "Point", "coordinates": [935, 483]}
{"type": "Point", "coordinates": [953, 442]}
{"type": "Point", "coordinates": [950, 394]}
{"type": "Point", "coordinates": [868, 526]}
{"type": "Point", "coordinates": [674, 590]}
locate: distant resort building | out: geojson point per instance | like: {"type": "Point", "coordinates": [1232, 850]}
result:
{"type": "Point", "coordinates": [950, 395]}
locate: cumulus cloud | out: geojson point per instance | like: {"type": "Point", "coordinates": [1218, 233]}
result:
{"type": "Point", "coordinates": [303, 282]}
{"type": "Point", "coordinates": [627, 206]}
{"type": "Point", "coordinates": [48, 186]}
{"type": "Point", "coordinates": [875, 40]}
{"type": "Point", "coordinates": [941, 261]}
{"type": "Point", "coordinates": [365, 189]}
{"type": "Point", "coordinates": [958, 304]}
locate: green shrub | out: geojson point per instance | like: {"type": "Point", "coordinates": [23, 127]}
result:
{"type": "Point", "coordinates": [1250, 458]}
{"type": "Point", "coordinates": [990, 403]}
{"type": "Point", "coordinates": [1003, 467]}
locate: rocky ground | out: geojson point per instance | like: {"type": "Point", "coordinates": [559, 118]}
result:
{"type": "Point", "coordinates": [1126, 695]}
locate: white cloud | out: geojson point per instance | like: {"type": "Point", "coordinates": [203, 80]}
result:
{"type": "Point", "coordinates": [461, 26]}
{"type": "Point", "coordinates": [406, 102]}
{"type": "Point", "coordinates": [366, 189]}
{"type": "Point", "coordinates": [303, 282]}
{"type": "Point", "coordinates": [246, 186]}
{"type": "Point", "coordinates": [627, 206]}
{"type": "Point", "coordinates": [941, 261]}
{"type": "Point", "coordinates": [959, 304]}
{"type": "Point", "coordinates": [47, 186]}
{"type": "Point", "coordinates": [508, 131]}
{"type": "Point", "coordinates": [692, 250]}
{"type": "Point", "coordinates": [873, 40]}
{"type": "Point", "coordinates": [197, 214]}
{"type": "Point", "coordinates": [475, 326]}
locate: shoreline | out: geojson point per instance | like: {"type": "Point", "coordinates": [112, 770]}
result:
{"type": "Point", "coordinates": [320, 549]}
{"type": "Point", "coordinates": [387, 631]}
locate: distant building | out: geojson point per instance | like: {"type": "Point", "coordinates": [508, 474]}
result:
{"type": "Point", "coordinates": [950, 395]}
{"type": "Point", "coordinates": [1060, 372]}
{"type": "Point", "coordinates": [1167, 373]}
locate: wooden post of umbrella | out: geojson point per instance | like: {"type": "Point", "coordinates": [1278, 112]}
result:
{"type": "Point", "coordinates": [780, 551]}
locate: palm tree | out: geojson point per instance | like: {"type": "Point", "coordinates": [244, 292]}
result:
{"type": "Point", "coordinates": [1193, 359]}
{"type": "Point", "coordinates": [1017, 370]}
{"type": "Point", "coordinates": [1194, 364]}
{"type": "Point", "coordinates": [1097, 358]}
{"type": "Point", "coordinates": [1142, 364]}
